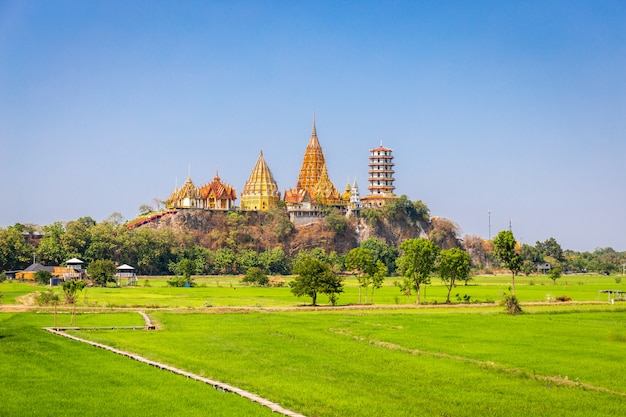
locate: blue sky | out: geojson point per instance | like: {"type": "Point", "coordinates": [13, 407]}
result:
{"type": "Point", "coordinates": [513, 108]}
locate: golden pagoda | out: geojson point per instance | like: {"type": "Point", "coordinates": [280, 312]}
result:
{"type": "Point", "coordinates": [324, 191]}
{"type": "Point", "coordinates": [217, 196]}
{"type": "Point", "coordinates": [312, 164]}
{"type": "Point", "coordinates": [313, 178]}
{"type": "Point", "coordinates": [261, 191]}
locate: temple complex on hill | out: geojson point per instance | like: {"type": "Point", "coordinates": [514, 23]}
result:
{"type": "Point", "coordinates": [306, 203]}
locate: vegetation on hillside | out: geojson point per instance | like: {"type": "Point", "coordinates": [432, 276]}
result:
{"type": "Point", "coordinates": [232, 242]}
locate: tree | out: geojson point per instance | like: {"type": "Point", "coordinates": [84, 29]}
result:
{"type": "Point", "coordinates": [50, 249]}
{"type": "Point", "coordinates": [555, 273]}
{"type": "Point", "coordinates": [313, 277]}
{"type": "Point", "coordinates": [454, 264]}
{"type": "Point", "coordinates": [225, 261]}
{"type": "Point", "coordinates": [371, 272]}
{"type": "Point", "coordinates": [101, 271]}
{"type": "Point", "coordinates": [70, 290]}
{"type": "Point", "coordinates": [43, 277]}
{"type": "Point", "coordinates": [256, 276]}
{"type": "Point", "coordinates": [145, 209]}
{"type": "Point", "coordinates": [15, 253]}
{"type": "Point", "coordinates": [274, 261]}
{"type": "Point", "coordinates": [380, 251]}
{"type": "Point", "coordinates": [185, 268]}
{"type": "Point", "coordinates": [504, 249]}
{"type": "Point", "coordinates": [417, 262]}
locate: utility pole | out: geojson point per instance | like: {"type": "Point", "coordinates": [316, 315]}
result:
{"type": "Point", "coordinates": [489, 211]}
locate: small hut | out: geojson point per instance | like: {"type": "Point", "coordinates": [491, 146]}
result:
{"type": "Point", "coordinates": [126, 272]}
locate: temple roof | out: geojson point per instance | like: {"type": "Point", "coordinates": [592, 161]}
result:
{"type": "Point", "coordinates": [261, 181]}
{"type": "Point", "coordinates": [296, 196]}
{"type": "Point", "coordinates": [218, 190]}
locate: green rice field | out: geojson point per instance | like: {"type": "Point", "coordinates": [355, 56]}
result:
{"type": "Point", "coordinates": [558, 358]}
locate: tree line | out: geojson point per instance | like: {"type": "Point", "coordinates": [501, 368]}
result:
{"type": "Point", "coordinates": [159, 251]}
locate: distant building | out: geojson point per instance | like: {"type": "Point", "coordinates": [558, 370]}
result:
{"type": "Point", "coordinates": [126, 272]}
{"type": "Point", "coordinates": [380, 177]}
{"type": "Point", "coordinates": [28, 274]}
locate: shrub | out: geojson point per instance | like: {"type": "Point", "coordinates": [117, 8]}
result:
{"type": "Point", "coordinates": [177, 281]}
{"type": "Point", "coordinates": [46, 298]}
{"type": "Point", "coordinates": [563, 298]}
{"type": "Point", "coordinates": [255, 276]}
{"type": "Point", "coordinates": [618, 280]}
{"type": "Point", "coordinates": [511, 304]}
{"type": "Point", "coordinates": [43, 277]}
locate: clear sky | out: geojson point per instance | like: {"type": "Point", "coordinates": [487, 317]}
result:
{"type": "Point", "coordinates": [513, 108]}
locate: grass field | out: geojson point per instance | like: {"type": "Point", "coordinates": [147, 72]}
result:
{"type": "Point", "coordinates": [228, 291]}
{"type": "Point", "coordinates": [46, 375]}
{"type": "Point", "coordinates": [557, 359]}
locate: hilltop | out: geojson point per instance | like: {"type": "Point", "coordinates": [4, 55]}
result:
{"type": "Point", "coordinates": [398, 221]}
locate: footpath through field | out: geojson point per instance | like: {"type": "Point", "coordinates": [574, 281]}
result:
{"type": "Point", "coordinates": [220, 386]}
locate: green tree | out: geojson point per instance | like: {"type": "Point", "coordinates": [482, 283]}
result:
{"type": "Point", "coordinates": [71, 289]}
{"type": "Point", "coordinates": [371, 272]}
{"type": "Point", "coordinates": [417, 262]}
{"type": "Point", "coordinates": [102, 242]}
{"type": "Point", "coordinates": [454, 264]}
{"type": "Point", "coordinates": [101, 271]}
{"type": "Point", "coordinates": [380, 251]}
{"type": "Point", "coordinates": [15, 253]}
{"type": "Point", "coordinates": [246, 259]}
{"type": "Point", "coordinates": [504, 249]}
{"type": "Point", "coordinates": [77, 236]}
{"type": "Point", "coordinates": [43, 277]}
{"type": "Point", "coordinates": [225, 261]}
{"type": "Point", "coordinates": [313, 277]}
{"type": "Point", "coordinates": [50, 249]}
{"type": "Point", "coordinates": [185, 268]}
{"type": "Point", "coordinates": [555, 273]}
{"type": "Point", "coordinates": [336, 221]}
{"type": "Point", "coordinates": [274, 261]}
{"type": "Point", "coordinates": [255, 276]}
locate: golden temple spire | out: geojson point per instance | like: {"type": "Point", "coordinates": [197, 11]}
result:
{"type": "Point", "coordinates": [261, 191]}
{"type": "Point", "coordinates": [312, 162]}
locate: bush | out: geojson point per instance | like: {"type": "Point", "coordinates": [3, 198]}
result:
{"type": "Point", "coordinates": [563, 298]}
{"type": "Point", "coordinates": [618, 280]}
{"type": "Point", "coordinates": [43, 277]}
{"type": "Point", "coordinates": [255, 276]}
{"type": "Point", "coordinates": [181, 282]}
{"type": "Point", "coordinates": [46, 298]}
{"type": "Point", "coordinates": [511, 303]}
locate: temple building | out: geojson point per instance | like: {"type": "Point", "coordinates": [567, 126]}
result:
{"type": "Point", "coordinates": [212, 196]}
{"type": "Point", "coordinates": [217, 196]}
{"type": "Point", "coordinates": [261, 190]}
{"type": "Point", "coordinates": [188, 196]}
{"type": "Point", "coordinates": [380, 177]}
{"type": "Point", "coordinates": [355, 199]}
